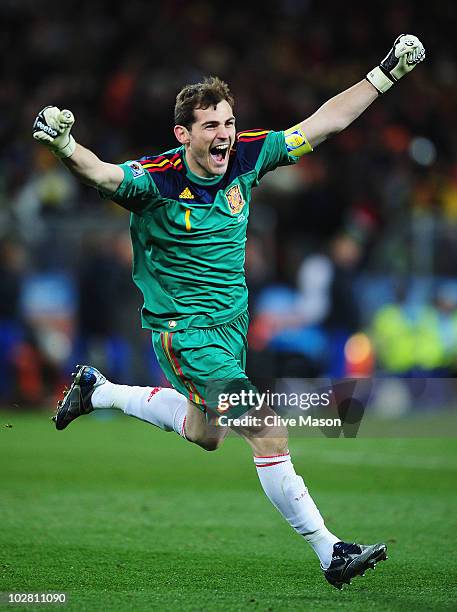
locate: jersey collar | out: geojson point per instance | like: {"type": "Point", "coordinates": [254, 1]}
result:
{"type": "Point", "coordinates": [199, 180]}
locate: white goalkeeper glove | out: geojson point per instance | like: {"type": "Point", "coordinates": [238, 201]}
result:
{"type": "Point", "coordinates": [52, 129]}
{"type": "Point", "coordinates": [406, 53]}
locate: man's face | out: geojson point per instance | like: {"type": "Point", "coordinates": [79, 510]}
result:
{"type": "Point", "coordinates": [209, 140]}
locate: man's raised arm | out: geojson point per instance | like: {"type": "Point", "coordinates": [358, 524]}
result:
{"type": "Point", "coordinates": [339, 112]}
{"type": "Point", "coordinates": [52, 128]}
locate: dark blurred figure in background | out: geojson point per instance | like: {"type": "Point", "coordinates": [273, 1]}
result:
{"type": "Point", "coordinates": [305, 330]}
{"type": "Point", "coordinates": [343, 316]}
{"type": "Point", "coordinates": [12, 331]}
{"type": "Point", "coordinates": [22, 369]}
{"type": "Point", "coordinates": [101, 290]}
{"type": "Point", "coordinates": [114, 341]}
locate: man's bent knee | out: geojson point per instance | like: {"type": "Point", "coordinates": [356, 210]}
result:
{"type": "Point", "coordinates": [202, 431]}
{"type": "Point", "coordinates": [208, 444]}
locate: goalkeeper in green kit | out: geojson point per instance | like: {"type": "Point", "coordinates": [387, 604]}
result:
{"type": "Point", "coordinates": [189, 214]}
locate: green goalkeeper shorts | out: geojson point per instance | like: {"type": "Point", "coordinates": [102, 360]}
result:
{"type": "Point", "coordinates": [201, 363]}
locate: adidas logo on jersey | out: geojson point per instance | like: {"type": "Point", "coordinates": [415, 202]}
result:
{"type": "Point", "coordinates": [186, 194]}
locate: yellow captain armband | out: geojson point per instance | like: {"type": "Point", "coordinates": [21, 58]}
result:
{"type": "Point", "coordinates": [296, 142]}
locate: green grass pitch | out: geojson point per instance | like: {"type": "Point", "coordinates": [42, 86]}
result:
{"type": "Point", "coordinates": [122, 516]}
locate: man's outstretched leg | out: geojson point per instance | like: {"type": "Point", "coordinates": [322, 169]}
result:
{"type": "Point", "coordinates": [91, 391]}
{"type": "Point", "coordinates": [160, 406]}
{"type": "Point", "coordinates": [340, 561]}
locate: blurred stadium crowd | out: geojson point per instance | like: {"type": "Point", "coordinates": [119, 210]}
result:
{"type": "Point", "coordinates": [352, 254]}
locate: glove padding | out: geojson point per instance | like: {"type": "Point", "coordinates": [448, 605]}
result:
{"type": "Point", "coordinates": [52, 129]}
{"type": "Point", "coordinates": [406, 53]}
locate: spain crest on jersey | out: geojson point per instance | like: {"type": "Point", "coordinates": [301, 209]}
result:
{"type": "Point", "coordinates": [234, 199]}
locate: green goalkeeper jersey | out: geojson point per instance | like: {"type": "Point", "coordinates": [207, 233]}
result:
{"type": "Point", "coordinates": [189, 233]}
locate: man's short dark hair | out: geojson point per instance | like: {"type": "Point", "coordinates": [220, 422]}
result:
{"type": "Point", "coordinates": [200, 95]}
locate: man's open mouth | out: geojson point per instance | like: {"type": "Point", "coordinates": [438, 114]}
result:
{"type": "Point", "coordinates": [219, 152]}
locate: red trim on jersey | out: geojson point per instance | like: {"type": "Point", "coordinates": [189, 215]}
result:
{"type": "Point", "coordinates": [164, 348]}
{"type": "Point", "coordinates": [188, 383]}
{"type": "Point", "coordinates": [262, 129]}
{"type": "Point", "coordinates": [152, 160]}
{"type": "Point", "coordinates": [251, 135]}
{"type": "Point", "coordinates": [252, 138]}
{"type": "Point", "coordinates": [259, 465]}
{"type": "Point", "coordinates": [166, 167]}
{"type": "Point", "coordinates": [159, 160]}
